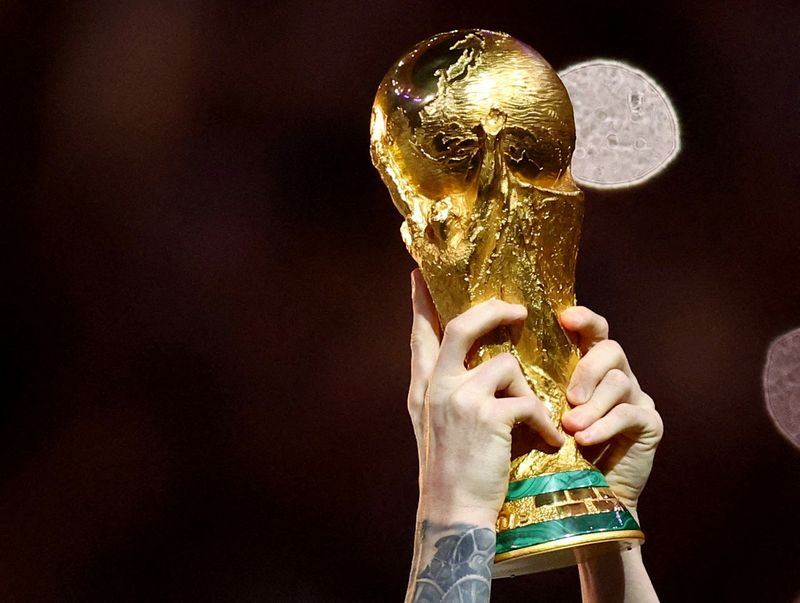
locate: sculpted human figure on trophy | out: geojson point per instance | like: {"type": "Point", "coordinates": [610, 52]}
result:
{"type": "Point", "coordinates": [473, 133]}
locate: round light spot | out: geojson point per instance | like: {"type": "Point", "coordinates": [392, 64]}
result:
{"type": "Point", "coordinates": [626, 129]}
{"type": "Point", "coordinates": [781, 382]}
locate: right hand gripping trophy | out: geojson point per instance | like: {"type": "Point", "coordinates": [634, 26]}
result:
{"type": "Point", "coordinates": [473, 132]}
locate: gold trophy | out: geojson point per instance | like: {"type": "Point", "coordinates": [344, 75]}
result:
{"type": "Point", "coordinates": [473, 132]}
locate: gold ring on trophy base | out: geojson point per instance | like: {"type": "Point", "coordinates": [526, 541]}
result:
{"type": "Point", "coordinates": [556, 505]}
{"type": "Point", "coordinates": [563, 552]}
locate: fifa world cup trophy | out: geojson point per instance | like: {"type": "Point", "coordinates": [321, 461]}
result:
{"type": "Point", "coordinates": [473, 132]}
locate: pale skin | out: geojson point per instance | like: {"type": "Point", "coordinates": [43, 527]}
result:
{"type": "Point", "coordinates": [462, 420]}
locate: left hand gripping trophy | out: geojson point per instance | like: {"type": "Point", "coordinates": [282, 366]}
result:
{"type": "Point", "coordinates": [473, 132]}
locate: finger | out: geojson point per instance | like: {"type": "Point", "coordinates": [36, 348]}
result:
{"type": "Point", "coordinates": [590, 328]}
{"type": "Point", "coordinates": [615, 388]}
{"type": "Point", "coordinates": [424, 341]}
{"type": "Point", "coordinates": [532, 412]}
{"type": "Point", "coordinates": [461, 332]}
{"type": "Point", "coordinates": [500, 374]}
{"type": "Point", "coordinates": [636, 422]}
{"type": "Point", "coordinates": [590, 370]}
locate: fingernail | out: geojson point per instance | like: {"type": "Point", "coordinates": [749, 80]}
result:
{"type": "Point", "coordinates": [585, 435]}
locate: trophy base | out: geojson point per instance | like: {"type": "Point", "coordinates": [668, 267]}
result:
{"type": "Point", "coordinates": [563, 552]}
{"type": "Point", "coordinates": [557, 519]}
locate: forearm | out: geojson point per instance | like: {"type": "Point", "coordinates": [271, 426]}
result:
{"type": "Point", "coordinates": [616, 578]}
{"type": "Point", "coordinates": [452, 560]}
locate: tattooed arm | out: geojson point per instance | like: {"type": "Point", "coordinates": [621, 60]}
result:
{"type": "Point", "coordinates": [460, 568]}
{"type": "Point", "coordinates": [462, 420]}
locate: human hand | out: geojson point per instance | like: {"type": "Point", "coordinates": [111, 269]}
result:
{"type": "Point", "coordinates": [611, 415]}
{"type": "Point", "coordinates": [463, 417]}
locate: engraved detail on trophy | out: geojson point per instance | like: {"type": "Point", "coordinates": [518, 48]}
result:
{"type": "Point", "coordinates": [472, 132]}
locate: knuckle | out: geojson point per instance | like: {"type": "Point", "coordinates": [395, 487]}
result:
{"type": "Point", "coordinates": [613, 348]}
{"type": "Point", "coordinates": [485, 414]}
{"type": "Point", "coordinates": [626, 412]}
{"type": "Point", "coordinates": [456, 328]}
{"type": "Point", "coordinates": [618, 378]}
{"type": "Point", "coordinates": [506, 361]}
{"type": "Point", "coordinates": [648, 402]}
{"type": "Point", "coordinates": [538, 410]}
{"type": "Point", "coordinates": [659, 424]}
{"type": "Point", "coordinates": [461, 400]}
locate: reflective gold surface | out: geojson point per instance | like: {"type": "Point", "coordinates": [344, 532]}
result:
{"type": "Point", "coordinates": [472, 132]}
{"type": "Point", "coordinates": [565, 551]}
{"type": "Point", "coordinates": [556, 505]}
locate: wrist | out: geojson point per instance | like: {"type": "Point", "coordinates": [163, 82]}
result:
{"type": "Point", "coordinates": [448, 512]}
{"type": "Point", "coordinates": [628, 555]}
{"type": "Point", "coordinates": [444, 516]}
{"type": "Point", "coordinates": [616, 577]}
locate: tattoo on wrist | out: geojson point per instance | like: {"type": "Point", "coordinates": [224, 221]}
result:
{"type": "Point", "coordinates": [460, 570]}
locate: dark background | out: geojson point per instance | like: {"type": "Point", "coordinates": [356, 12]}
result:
{"type": "Point", "coordinates": [207, 306]}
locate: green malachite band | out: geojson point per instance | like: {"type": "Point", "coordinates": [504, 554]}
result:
{"type": "Point", "coordinates": [566, 480]}
{"type": "Point", "coordinates": [547, 531]}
